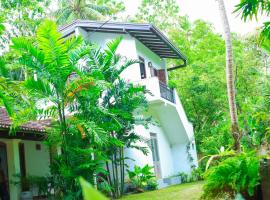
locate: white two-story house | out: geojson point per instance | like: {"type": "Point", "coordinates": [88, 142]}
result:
{"type": "Point", "coordinates": [168, 140]}
{"type": "Point", "coordinates": [25, 154]}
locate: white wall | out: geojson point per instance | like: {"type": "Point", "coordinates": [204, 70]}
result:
{"type": "Point", "coordinates": [36, 161]}
{"type": "Point", "coordinates": [137, 157]}
{"type": "Point", "coordinates": [180, 158]}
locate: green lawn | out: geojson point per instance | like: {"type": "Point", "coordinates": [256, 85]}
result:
{"type": "Point", "coordinates": [188, 191]}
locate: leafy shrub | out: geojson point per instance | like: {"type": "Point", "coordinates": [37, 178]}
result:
{"type": "Point", "coordinates": [152, 185]}
{"type": "Point", "coordinates": [104, 187]}
{"type": "Point", "coordinates": [172, 84]}
{"type": "Point", "coordinates": [196, 175]}
{"type": "Point", "coordinates": [142, 178]}
{"type": "Point", "coordinates": [42, 184]}
{"type": "Point", "coordinates": [238, 174]}
{"type": "Point", "coordinates": [184, 177]}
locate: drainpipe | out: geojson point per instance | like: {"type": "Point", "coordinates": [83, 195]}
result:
{"type": "Point", "coordinates": [178, 66]}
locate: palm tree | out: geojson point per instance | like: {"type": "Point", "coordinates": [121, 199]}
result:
{"type": "Point", "coordinates": [51, 61]}
{"type": "Point", "coordinates": [229, 76]}
{"type": "Point", "coordinates": [70, 10]}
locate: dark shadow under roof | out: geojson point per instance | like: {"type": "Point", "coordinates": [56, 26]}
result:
{"type": "Point", "coordinates": [147, 34]}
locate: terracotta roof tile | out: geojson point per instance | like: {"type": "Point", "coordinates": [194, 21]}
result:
{"type": "Point", "coordinates": [36, 126]}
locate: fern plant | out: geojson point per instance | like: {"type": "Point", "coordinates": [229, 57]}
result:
{"type": "Point", "coordinates": [237, 174]}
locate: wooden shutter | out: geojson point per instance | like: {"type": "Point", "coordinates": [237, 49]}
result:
{"type": "Point", "coordinates": [162, 76]}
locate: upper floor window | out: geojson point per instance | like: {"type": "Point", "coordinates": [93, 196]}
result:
{"type": "Point", "coordinates": [142, 68]}
{"type": "Point", "coordinates": [153, 71]}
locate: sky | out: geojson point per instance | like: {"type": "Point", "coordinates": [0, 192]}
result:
{"type": "Point", "coordinates": [208, 11]}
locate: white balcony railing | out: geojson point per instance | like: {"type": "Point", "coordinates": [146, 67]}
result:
{"type": "Point", "coordinates": [158, 89]}
{"type": "Point", "coordinates": [166, 92]}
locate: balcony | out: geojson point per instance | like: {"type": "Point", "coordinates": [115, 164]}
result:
{"type": "Point", "coordinates": [166, 102]}
{"type": "Point", "coordinates": [158, 90]}
{"type": "Point", "coordinates": [166, 92]}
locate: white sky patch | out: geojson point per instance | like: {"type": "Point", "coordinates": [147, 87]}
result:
{"type": "Point", "coordinates": [207, 10]}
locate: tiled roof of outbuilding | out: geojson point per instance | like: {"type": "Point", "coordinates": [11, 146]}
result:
{"type": "Point", "coordinates": [34, 126]}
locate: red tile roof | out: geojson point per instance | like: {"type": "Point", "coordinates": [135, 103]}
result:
{"type": "Point", "coordinates": [35, 126]}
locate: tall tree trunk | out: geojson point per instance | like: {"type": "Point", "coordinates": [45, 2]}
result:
{"type": "Point", "coordinates": [229, 76]}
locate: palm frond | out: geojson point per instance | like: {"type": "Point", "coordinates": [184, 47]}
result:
{"type": "Point", "coordinates": [111, 50]}
{"type": "Point", "coordinates": [52, 45]}
{"type": "Point", "coordinates": [3, 69]}
{"type": "Point", "coordinates": [127, 64]}
{"type": "Point", "coordinates": [98, 8]}
{"type": "Point", "coordinates": [25, 47]}
{"type": "Point", "coordinates": [7, 103]}
{"type": "Point", "coordinates": [2, 27]}
{"type": "Point", "coordinates": [39, 87]}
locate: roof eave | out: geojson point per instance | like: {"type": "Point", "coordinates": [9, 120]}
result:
{"type": "Point", "coordinates": [160, 47]}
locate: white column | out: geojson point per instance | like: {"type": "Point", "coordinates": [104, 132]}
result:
{"type": "Point", "coordinates": [13, 167]}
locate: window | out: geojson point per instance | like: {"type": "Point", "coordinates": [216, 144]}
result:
{"type": "Point", "coordinates": [142, 68]}
{"type": "Point", "coordinates": [154, 147]}
{"type": "Point", "coordinates": [155, 154]}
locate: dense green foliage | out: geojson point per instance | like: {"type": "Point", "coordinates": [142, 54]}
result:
{"type": "Point", "coordinates": [14, 97]}
{"type": "Point", "coordinates": [21, 18]}
{"type": "Point", "coordinates": [238, 174]}
{"type": "Point", "coordinates": [81, 9]}
{"type": "Point", "coordinates": [156, 12]}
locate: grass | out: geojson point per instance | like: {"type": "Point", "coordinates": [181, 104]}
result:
{"type": "Point", "coordinates": [188, 191]}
